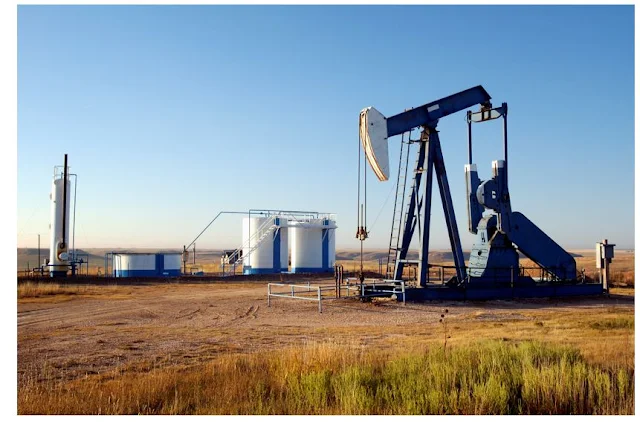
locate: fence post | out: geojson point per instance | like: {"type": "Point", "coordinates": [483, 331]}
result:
{"type": "Point", "coordinates": [319, 299]}
{"type": "Point", "coordinates": [293, 291]}
{"type": "Point", "coordinates": [268, 295]}
{"type": "Point", "coordinates": [512, 281]}
{"type": "Point", "coordinates": [404, 296]}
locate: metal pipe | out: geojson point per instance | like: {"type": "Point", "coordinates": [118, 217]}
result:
{"type": "Point", "coordinates": [314, 299]}
{"type": "Point", "coordinates": [316, 213]}
{"type": "Point", "coordinates": [365, 198]}
{"type": "Point", "coordinates": [506, 165]}
{"type": "Point", "coordinates": [211, 222]}
{"type": "Point", "coordinates": [469, 129]}
{"type": "Point", "coordinates": [184, 261]}
{"type": "Point", "coordinates": [362, 246]}
{"type": "Point", "coordinates": [64, 202]}
{"type": "Point", "coordinates": [359, 160]}
{"type": "Point", "coordinates": [75, 192]}
{"type": "Point", "coordinates": [250, 236]}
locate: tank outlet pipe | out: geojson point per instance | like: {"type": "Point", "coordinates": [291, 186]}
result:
{"type": "Point", "coordinates": [65, 176]}
{"type": "Point", "coordinates": [75, 192]}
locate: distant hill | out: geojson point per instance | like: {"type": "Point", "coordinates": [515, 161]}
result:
{"type": "Point", "coordinates": [29, 256]}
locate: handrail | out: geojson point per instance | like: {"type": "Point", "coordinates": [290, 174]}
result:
{"type": "Point", "coordinates": [269, 221]}
{"type": "Point", "coordinates": [247, 243]}
{"type": "Point", "coordinates": [269, 213]}
{"type": "Point", "coordinates": [211, 222]}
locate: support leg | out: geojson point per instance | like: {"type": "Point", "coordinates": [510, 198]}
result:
{"type": "Point", "coordinates": [423, 265]}
{"type": "Point", "coordinates": [447, 204]}
{"type": "Point", "coordinates": [409, 223]}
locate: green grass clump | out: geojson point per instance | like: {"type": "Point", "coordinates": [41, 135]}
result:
{"type": "Point", "coordinates": [483, 378]}
{"type": "Point", "coordinates": [614, 323]}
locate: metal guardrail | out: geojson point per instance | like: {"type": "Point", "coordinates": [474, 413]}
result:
{"type": "Point", "coordinates": [291, 292]}
{"type": "Point", "coordinates": [371, 287]}
{"type": "Point", "coordinates": [440, 272]}
{"type": "Point", "coordinates": [368, 288]}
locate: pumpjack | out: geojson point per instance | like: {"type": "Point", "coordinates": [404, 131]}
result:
{"type": "Point", "coordinates": [501, 234]}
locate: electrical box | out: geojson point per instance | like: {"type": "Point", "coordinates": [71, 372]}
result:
{"type": "Point", "coordinates": [604, 251]}
{"type": "Point", "coordinates": [608, 251]}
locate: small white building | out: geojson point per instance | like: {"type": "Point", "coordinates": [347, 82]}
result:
{"type": "Point", "coordinates": [142, 264]}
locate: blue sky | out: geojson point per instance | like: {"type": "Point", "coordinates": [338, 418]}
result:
{"type": "Point", "coordinates": [172, 114]}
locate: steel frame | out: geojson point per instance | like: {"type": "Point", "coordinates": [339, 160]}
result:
{"type": "Point", "coordinates": [430, 159]}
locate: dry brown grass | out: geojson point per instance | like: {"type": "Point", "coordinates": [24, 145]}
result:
{"type": "Point", "coordinates": [37, 289]}
{"type": "Point", "coordinates": [483, 378]}
{"type": "Point", "coordinates": [29, 291]}
{"type": "Point", "coordinates": [382, 359]}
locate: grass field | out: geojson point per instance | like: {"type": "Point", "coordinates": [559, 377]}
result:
{"type": "Point", "coordinates": [495, 377]}
{"type": "Point", "coordinates": [217, 349]}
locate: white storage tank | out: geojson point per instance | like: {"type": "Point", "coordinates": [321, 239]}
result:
{"type": "Point", "coordinates": [265, 245]}
{"type": "Point", "coordinates": [331, 251]}
{"type": "Point", "coordinates": [172, 264]}
{"type": "Point", "coordinates": [128, 264]}
{"type": "Point", "coordinates": [59, 251]}
{"type": "Point", "coordinates": [313, 246]}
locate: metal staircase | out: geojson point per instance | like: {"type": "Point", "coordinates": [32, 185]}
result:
{"type": "Point", "coordinates": [398, 207]}
{"type": "Point", "coordinates": [266, 228]}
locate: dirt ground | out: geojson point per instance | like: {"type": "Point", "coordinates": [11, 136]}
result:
{"type": "Point", "coordinates": [105, 328]}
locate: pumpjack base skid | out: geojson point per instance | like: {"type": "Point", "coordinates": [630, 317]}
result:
{"type": "Point", "coordinates": [499, 291]}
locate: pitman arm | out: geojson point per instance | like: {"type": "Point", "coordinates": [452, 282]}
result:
{"type": "Point", "coordinates": [474, 209]}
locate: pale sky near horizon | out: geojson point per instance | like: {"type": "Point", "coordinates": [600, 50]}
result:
{"type": "Point", "coordinates": [171, 114]}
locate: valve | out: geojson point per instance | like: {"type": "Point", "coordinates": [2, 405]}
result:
{"type": "Point", "coordinates": [361, 234]}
